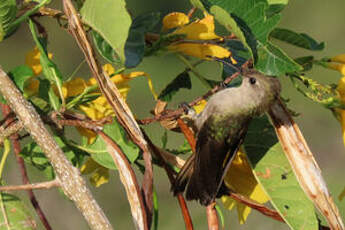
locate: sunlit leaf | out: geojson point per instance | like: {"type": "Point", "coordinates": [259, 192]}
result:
{"type": "Point", "coordinates": [20, 75]}
{"type": "Point", "coordinates": [298, 39]}
{"type": "Point", "coordinates": [98, 149]}
{"type": "Point", "coordinates": [111, 20]}
{"type": "Point", "coordinates": [274, 173]}
{"type": "Point", "coordinates": [16, 213]}
{"type": "Point", "coordinates": [104, 48]}
{"type": "Point", "coordinates": [273, 61]}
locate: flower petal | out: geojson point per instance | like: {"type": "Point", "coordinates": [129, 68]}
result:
{"type": "Point", "coordinates": [339, 58]}
{"type": "Point", "coordinates": [109, 69]}
{"type": "Point", "coordinates": [89, 166]}
{"type": "Point", "coordinates": [32, 59]}
{"type": "Point", "coordinates": [100, 176]}
{"type": "Point", "coordinates": [241, 179]}
{"type": "Point", "coordinates": [200, 106]}
{"type": "Point", "coordinates": [173, 20]}
{"type": "Point", "coordinates": [89, 134]}
{"type": "Point", "coordinates": [203, 51]}
{"type": "Point", "coordinates": [337, 66]}
{"type": "Point", "coordinates": [73, 87]}
{"type": "Point", "coordinates": [199, 30]}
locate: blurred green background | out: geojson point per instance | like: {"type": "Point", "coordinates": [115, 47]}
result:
{"type": "Point", "coordinates": [322, 20]}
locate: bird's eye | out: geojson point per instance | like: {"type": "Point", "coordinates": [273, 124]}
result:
{"type": "Point", "coordinates": [252, 80]}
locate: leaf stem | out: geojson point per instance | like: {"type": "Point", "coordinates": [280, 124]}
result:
{"type": "Point", "coordinates": [27, 14]}
{"type": "Point", "coordinates": [7, 148]}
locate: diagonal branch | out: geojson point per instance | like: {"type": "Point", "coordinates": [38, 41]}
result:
{"type": "Point", "coordinates": [114, 98]}
{"type": "Point", "coordinates": [72, 184]}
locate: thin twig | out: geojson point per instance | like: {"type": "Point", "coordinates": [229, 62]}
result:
{"type": "Point", "coordinates": [42, 185]}
{"type": "Point", "coordinates": [257, 206]}
{"type": "Point", "coordinates": [173, 114]}
{"type": "Point", "coordinates": [25, 179]}
{"type": "Point", "coordinates": [191, 12]}
{"type": "Point", "coordinates": [129, 181]}
{"type": "Point", "coordinates": [13, 128]}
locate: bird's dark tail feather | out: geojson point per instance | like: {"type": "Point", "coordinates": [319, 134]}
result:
{"type": "Point", "coordinates": [184, 175]}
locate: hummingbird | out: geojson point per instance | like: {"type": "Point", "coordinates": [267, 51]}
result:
{"type": "Point", "coordinates": [220, 130]}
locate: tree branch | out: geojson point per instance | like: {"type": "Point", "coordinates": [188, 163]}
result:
{"type": "Point", "coordinates": [71, 182]}
{"type": "Point", "coordinates": [42, 185]}
{"type": "Point", "coordinates": [115, 100]}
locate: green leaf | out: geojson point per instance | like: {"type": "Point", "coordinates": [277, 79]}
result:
{"type": "Point", "coordinates": [249, 22]}
{"type": "Point", "coordinates": [240, 54]}
{"type": "Point", "coordinates": [104, 48]}
{"type": "Point", "coordinates": [306, 62]}
{"type": "Point", "coordinates": [135, 44]}
{"type": "Point", "coordinates": [252, 13]}
{"type": "Point", "coordinates": [49, 68]}
{"type": "Point", "coordinates": [20, 75]}
{"type": "Point", "coordinates": [8, 11]}
{"type": "Point", "coordinates": [16, 213]}
{"type": "Point", "coordinates": [298, 39]}
{"type": "Point", "coordinates": [98, 149]}
{"type": "Point", "coordinates": [274, 173]}
{"type": "Point", "coordinates": [274, 9]}
{"type": "Point", "coordinates": [273, 61]}
{"type": "Point", "coordinates": [181, 81]}
{"type": "Point", "coordinates": [274, 2]}
{"type": "Point", "coordinates": [34, 155]}
{"type": "Point", "coordinates": [225, 19]}
{"type": "Point", "coordinates": [111, 20]}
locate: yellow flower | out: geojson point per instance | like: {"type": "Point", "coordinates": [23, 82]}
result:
{"type": "Point", "coordinates": [200, 106]}
{"type": "Point", "coordinates": [240, 179]}
{"type": "Point", "coordinates": [340, 112]}
{"type": "Point", "coordinates": [200, 35]}
{"type": "Point", "coordinates": [99, 174]}
{"type": "Point", "coordinates": [338, 58]}
{"type": "Point", "coordinates": [337, 66]}
{"type": "Point", "coordinates": [99, 108]}
{"type": "Point", "coordinates": [32, 59]}
{"type": "Point", "coordinates": [173, 20]}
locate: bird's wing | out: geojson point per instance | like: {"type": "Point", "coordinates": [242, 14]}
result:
{"type": "Point", "coordinates": [213, 157]}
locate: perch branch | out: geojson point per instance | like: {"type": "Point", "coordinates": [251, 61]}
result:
{"type": "Point", "coordinates": [72, 184]}
{"type": "Point", "coordinates": [173, 114]}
